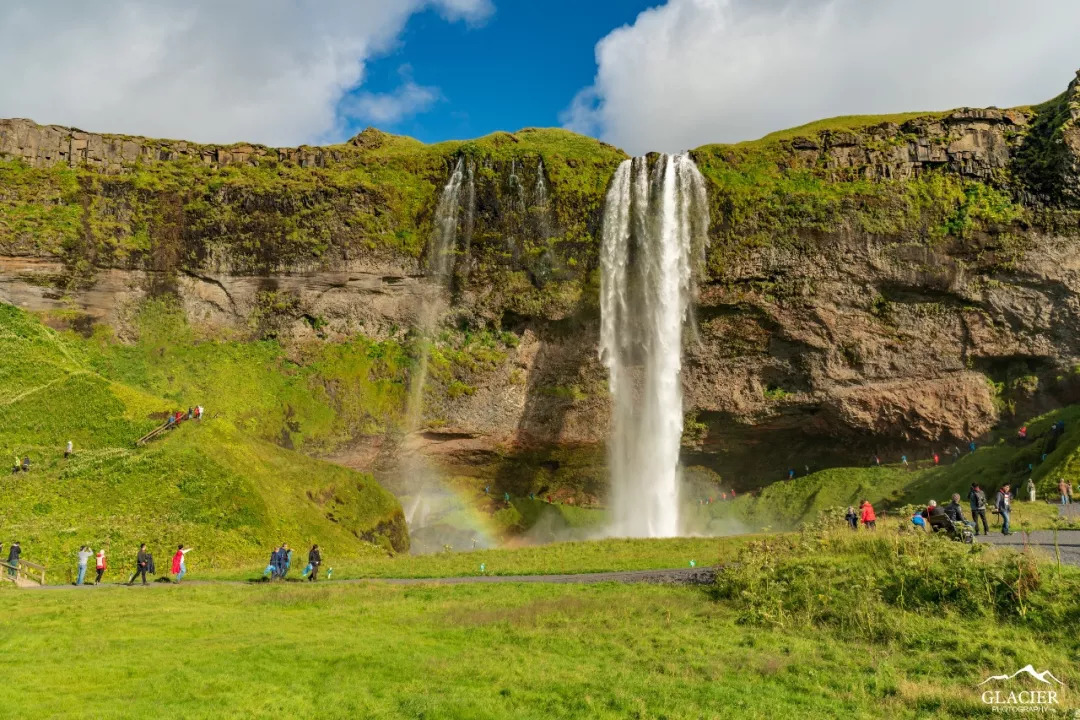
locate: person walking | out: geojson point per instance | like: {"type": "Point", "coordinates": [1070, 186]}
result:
{"type": "Point", "coordinates": [1031, 490]}
{"type": "Point", "coordinates": [142, 563]}
{"type": "Point", "coordinates": [852, 518]}
{"type": "Point", "coordinates": [869, 519]}
{"type": "Point", "coordinates": [99, 565]}
{"type": "Point", "coordinates": [279, 562]}
{"type": "Point", "coordinates": [977, 501]}
{"type": "Point", "coordinates": [14, 553]}
{"type": "Point", "coordinates": [1003, 504]}
{"type": "Point", "coordinates": [286, 559]}
{"type": "Point", "coordinates": [68, 449]}
{"type": "Point", "coordinates": [179, 567]}
{"type": "Point", "coordinates": [271, 567]}
{"type": "Point", "coordinates": [1063, 490]}
{"type": "Point", "coordinates": [314, 558]}
{"type": "Point", "coordinates": [85, 553]}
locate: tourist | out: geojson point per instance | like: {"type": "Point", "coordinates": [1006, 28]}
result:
{"type": "Point", "coordinates": [14, 553]}
{"type": "Point", "coordinates": [919, 521]}
{"type": "Point", "coordinates": [791, 473]}
{"type": "Point", "coordinates": [1063, 490]}
{"type": "Point", "coordinates": [956, 512]}
{"type": "Point", "coordinates": [142, 565]}
{"type": "Point", "coordinates": [179, 567]}
{"type": "Point", "coordinates": [1022, 433]}
{"type": "Point", "coordinates": [877, 459]}
{"type": "Point", "coordinates": [852, 518]}
{"type": "Point", "coordinates": [977, 503]}
{"type": "Point", "coordinates": [279, 561]}
{"type": "Point", "coordinates": [314, 558]}
{"type": "Point", "coordinates": [1003, 504]}
{"type": "Point", "coordinates": [99, 562]}
{"type": "Point", "coordinates": [26, 463]}
{"type": "Point", "coordinates": [971, 446]}
{"type": "Point", "coordinates": [286, 558]}
{"type": "Point", "coordinates": [84, 557]}
{"type": "Point", "coordinates": [271, 567]}
{"type": "Point", "coordinates": [869, 519]}
{"type": "Point", "coordinates": [932, 510]}
{"type": "Point", "coordinates": [1031, 490]}
{"type": "Point", "coordinates": [190, 412]}
{"type": "Point", "coordinates": [903, 459]}
{"type": "Point", "coordinates": [68, 449]}
{"type": "Point", "coordinates": [198, 412]}
{"type": "Point", "coordinates": [937, 459]}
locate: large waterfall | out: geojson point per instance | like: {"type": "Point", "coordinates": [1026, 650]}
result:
{"type": "Point", "coordinates": [654, 237]}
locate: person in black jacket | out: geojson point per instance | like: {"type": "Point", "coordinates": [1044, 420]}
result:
{"type": "Point", "coordinates": [13, 557]}
{"type": "Point", "coordinates": [142, 564]}
{"type": "Point", "coordinates": [314, 558]}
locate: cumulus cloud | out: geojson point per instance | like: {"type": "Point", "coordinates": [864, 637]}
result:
{"type": "Point", "coordinates": [691, 72]}
{"type": "Point", "coordinates": [386, 108]}
{"type": "Point", "coordinates": [270, 71]}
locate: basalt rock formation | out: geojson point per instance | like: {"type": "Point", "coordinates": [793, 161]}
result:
{"type": "Point", "coordinates": [872, 283]}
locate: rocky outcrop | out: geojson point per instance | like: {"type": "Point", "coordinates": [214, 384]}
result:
{"type": "Point", "coordinates": [969, 142]}
{"type": "Point", "coordinates": [43, 146]}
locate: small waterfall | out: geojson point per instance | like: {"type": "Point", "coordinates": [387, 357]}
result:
{"type": "Point", "coordinates": [654, 237]}
{"type": "Point", "coordinates": [443, 247]}
{"type": "Point", "coordinates": [540, 201]}
{"type": "Point", "coordinates": [427, 502]}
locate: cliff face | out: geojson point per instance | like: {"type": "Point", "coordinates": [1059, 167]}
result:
{"type": "Point", "coordinates": [878, 281]}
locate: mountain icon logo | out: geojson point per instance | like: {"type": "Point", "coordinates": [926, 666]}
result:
{"type": "Point", "coordinates": [1044, 677]}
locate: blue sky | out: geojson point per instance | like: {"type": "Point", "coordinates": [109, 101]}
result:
{"type": "Point", "coordinates": [641, 74]}
{"type": "Point", "coordinates": [520, 67]}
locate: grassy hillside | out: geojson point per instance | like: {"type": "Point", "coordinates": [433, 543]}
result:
{"type": "Point", "coordinates": [212, 485]}
{"type": "Point", "coordinates": [787, 503]}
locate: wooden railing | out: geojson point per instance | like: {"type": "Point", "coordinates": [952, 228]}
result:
{"type": "Point", "coordinates": [23, 572]}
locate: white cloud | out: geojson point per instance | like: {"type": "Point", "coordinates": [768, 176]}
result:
{"type": "Point", "coordinates": [692, 72]}
{"type": "Point", "coordinates": [386, 108]}
{"type": "Point", "coordinates": [270, 71]}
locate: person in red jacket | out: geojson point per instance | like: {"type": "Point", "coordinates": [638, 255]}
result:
{"type": "Point", "coordinates": [179, 567]}
{"type": "Point", "coordinates": [869, 519]}
{"type": "Point", "coordinates": [99, 565]}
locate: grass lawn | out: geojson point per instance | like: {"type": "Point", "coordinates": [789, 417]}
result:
{"type": "Point", "coordinates": [522, 651]}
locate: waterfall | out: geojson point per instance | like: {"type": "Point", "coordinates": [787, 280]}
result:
{"type": "Point", "coordinates": [426, 501]}
{"type": "Point", "coordinates": [654, 236]}
{"type": "Point", "coordinates": [440, 260]}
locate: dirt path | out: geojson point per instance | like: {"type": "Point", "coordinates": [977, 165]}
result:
{"type": "Point", "coordinates": [679, 576]}
{"type": "Point", "coordinates": [1068, 542]}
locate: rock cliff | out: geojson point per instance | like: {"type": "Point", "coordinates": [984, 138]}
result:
{"type": "Point", "coordinates": [873, 283]}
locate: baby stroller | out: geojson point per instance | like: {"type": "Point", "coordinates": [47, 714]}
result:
{"type": "Point", "coordinates": [960, 532]}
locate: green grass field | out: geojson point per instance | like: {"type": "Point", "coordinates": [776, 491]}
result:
{"type": "Point", "coordinates": [211, 484]}
{"type": "Point", "coordinates": [541, 651]}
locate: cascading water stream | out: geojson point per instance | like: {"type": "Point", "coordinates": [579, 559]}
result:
{"type": "Point", "coordinates": [425, 499]}
{"type": "Point", "coordinates": [654, 236]}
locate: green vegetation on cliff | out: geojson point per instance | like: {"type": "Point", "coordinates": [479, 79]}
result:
{"type": "Point", "coordinates": [212, 484]}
